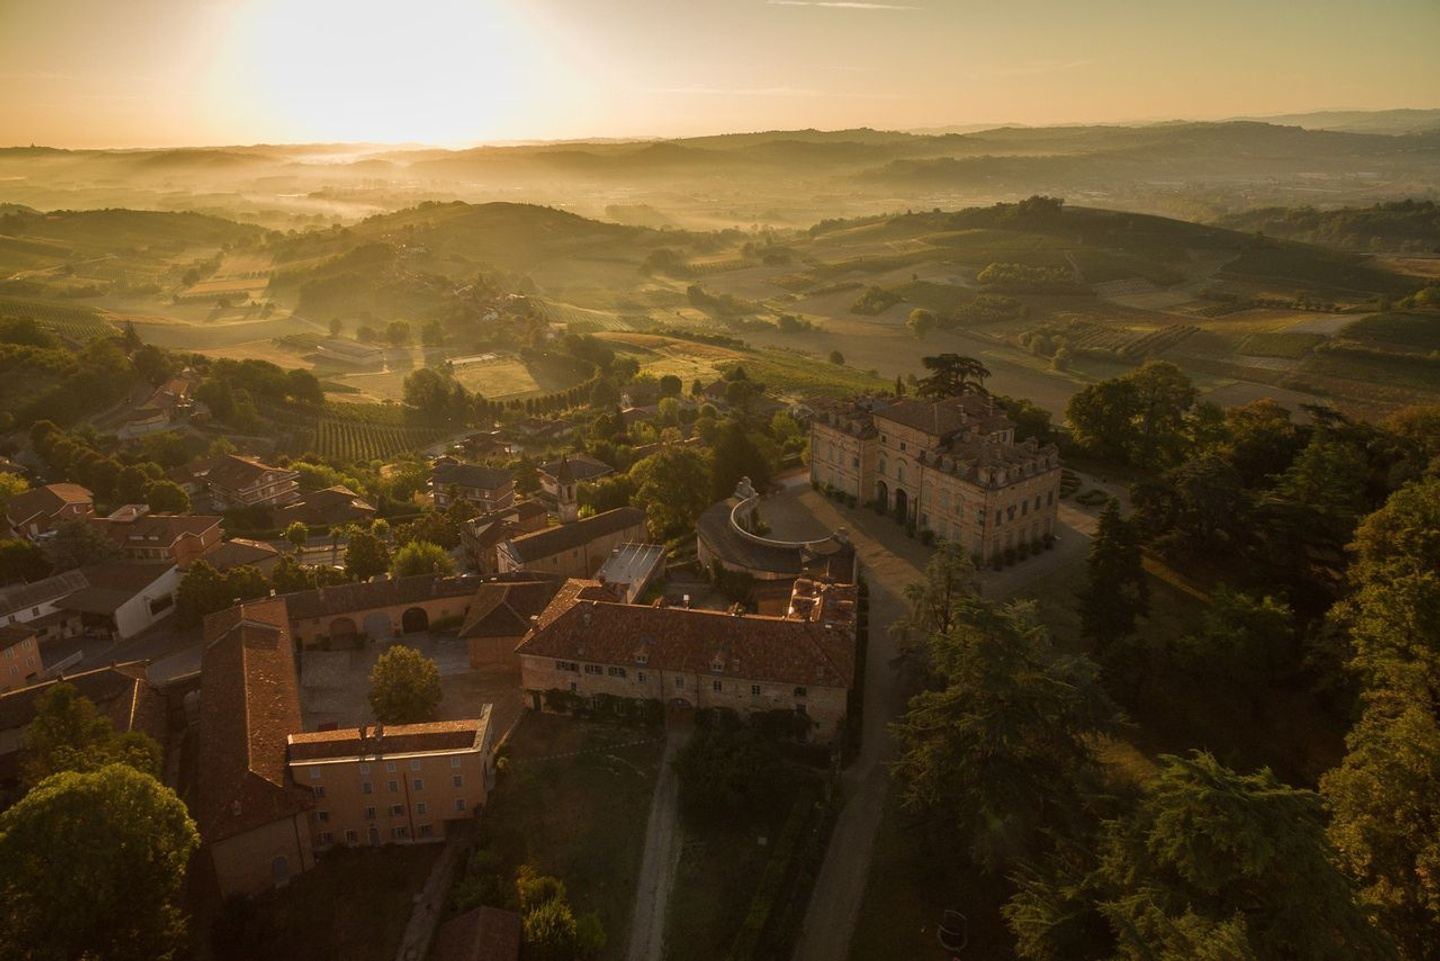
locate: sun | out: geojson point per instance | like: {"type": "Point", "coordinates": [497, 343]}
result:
{"type": "Point", "coordinates": [431, 71]}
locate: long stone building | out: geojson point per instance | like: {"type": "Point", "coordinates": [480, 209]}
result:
{"type": "Point", "coordinates": [951, 466]}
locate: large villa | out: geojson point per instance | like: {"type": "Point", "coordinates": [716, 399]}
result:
{"type": "Point", "coordinates": [951, 466]}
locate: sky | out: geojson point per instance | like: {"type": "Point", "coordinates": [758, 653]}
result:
{"type": "Point", "coordinates": [128, 73]}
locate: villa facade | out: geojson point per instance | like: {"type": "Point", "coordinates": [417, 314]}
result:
{"type": "Point", "coordinates": [951, 466]}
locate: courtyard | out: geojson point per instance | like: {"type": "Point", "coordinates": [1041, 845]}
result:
{"type": "Point", "coordinates": [335, 685]}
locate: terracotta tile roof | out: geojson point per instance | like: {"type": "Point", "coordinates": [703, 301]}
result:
{"type": "Point", "coordinates": [476, 476]}
{"type": "Point", "coordinates": [333, 505]}
{"type": "Point", "coordinates": [537, 544]}
{"type": "Point", "coordinates": [119, 691]}
{"type": "Point", "coordinates": [943, 417]}
{"type": "Point", "coordinates": [20, 596]}
{"type": "Point", "coordinates": [114, 584]}
{"type": "Point", "coordinates": [480, 934]}
{"type": "Point", "coordinates": [581, 467]}
{"type": "Point", "coordinates": [504, 608]}
{"type": "Point", "coordinates": [694, 641]}
{"type": "Point", "coordinates": [381, 592]}
{"type": "Point", "coordinates": [238, 551]}
{"type": "Point", "coordinates": [249, 705]}
{"type": "Point", "coordinates": [45, 501]}
{"type": "Point", "coordinates": [156, 530]}
{"type": "Point", "coordinates": [12, 634]}
{"type": "Point", "coordinates": [388, 741]}
{"type": "Point", "coordinates": [235, 473]}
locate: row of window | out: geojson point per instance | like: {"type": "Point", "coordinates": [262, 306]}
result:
{"type": "Point", "coordinates": [416, 764]}
{"type": "Point", "coordinates": [422, 809]}
{"type": "Point", "coordinates": [401, 832]}
{"type": "Point", "coordinates": [393, 786]}
{"type": "Point", "coordinates": [718, 686]}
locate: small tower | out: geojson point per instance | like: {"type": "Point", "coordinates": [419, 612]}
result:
{"type": "Point", "coordinates": [565, 495]}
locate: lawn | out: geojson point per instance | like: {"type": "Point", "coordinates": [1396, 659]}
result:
{"type": "Point", "coordinates": [573, 803]}
{"type": "Point", "coordinates": [721, 865]}
{"type": "Point", "coordinates": [352, 907]}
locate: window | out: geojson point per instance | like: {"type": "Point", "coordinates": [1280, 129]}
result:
{"type": "Point", "coordinates": [800, 692]}
{"type": "Point", "coordinates": [1024, 508]}
{"type": "Point", "coordinates": [615, 671]}
{"type": "Point", "coordinates": [1049, 498]}
{"type": "Point", "coordinates": [351, 837]}
{"type": "Point", "coordinates": [455, 761]}
{"type": "Point", "coordinates": [414, 765]}
{"type": "Point", "coordinates": [717, 686]}
{"type": "Point", "coordinates": [314, 774]}
{"type": "Point", "coordinates": [640, 676]}
{"type": "Point", "coordinates": [365, 769]}
{"type": "Point", "coordinates": [457, 780]}
{"type": "Point", "coordinates": [394, 786]}
{"type": "Point", "coordinates": [418, 784]}
{"type": "Point", "coordinates": [397, 810]}
{"type": "Point", "coordinates": [369, 814]}
{"type": "Point", "coordinates": [594, 669]}
{"type": "Point", "coordinates": [323, 817]}
{"type": "Point", "coordinates": [366, 787]}
{"type": "Point", "coordinates": [460, 804]}
{"type": "Point", "coordinates": [574, 687]}
{"type": "Point", "coordinates": [422, 808]}
{"type": "Point", "coordinates": [400, 832]}
{"type": "Point", "coordinates": [426, 831]}
{"type": "Point", "coordinates": [680, 682]}
{"type": "Point", "coordinates": [326, 837]}
{"type": "Point", "coordinates": [567, 666]}
{"type": "Point", "coordinates": [319, 790]}
{"type": "Point", "coordinates": [389, 767]}
{"type": "Point", "coordinates": [755, 690]}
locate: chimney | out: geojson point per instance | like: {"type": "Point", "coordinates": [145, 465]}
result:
{"type": "Point", "coordinates": [379, 734]}
{"type": "Point", "coordinates": [685, 601]}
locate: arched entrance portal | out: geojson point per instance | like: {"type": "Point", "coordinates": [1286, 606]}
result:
{"type": "Point", "coordinates": [882, 494]}
{"type": "Point", "coordinates": [414, 621]}
{"type": "Point", "coordinates": [343, 631]}
{"type": "Point", "coordinates": [902, 504]}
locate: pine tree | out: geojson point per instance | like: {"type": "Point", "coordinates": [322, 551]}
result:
{"type": "Point", "coordinates": [1115, 594]}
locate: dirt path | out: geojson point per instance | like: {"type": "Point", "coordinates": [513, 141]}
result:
{"type": "Point", "coordinates": [660, 860]}
{"type": "Point", "coordinates": [889, 561]}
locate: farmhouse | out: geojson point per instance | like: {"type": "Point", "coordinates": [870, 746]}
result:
{"type": "Point", "coordinates": [581, 468]}
{"type": "Point", "coordinates": [254, 821]}
{"type": "Point", "coordinates": [397, 784]}
{"type": "Point", "coordinates": [234, 482]}
{"type": "Point", "coordinates": [340, 614]}
{"type": "Point", "coordinates": [803, 663]}
{"type": "Point", "coordinates": [39, 606]}
{"type": "Point", "coordinates": [950, 466]}
{"type": "Point", "coordinates": [576, 549]}
{"type": "Point", "coordinates": [330, 507]}
{"type": "Point", "coordinates": [119, 692]}
{"type": "Point", "coordinates": [488, 488]}
{"type": "Point", "coordinates": [177, 538]}
{"type": "Point", "coordinates": [20, 663]}
{"type": "Point", "coordinates": [38, 512]}
{"type": "Point", "coordinates": [481, 536]}
{"type": "Point", "coordinates": [123, 598]}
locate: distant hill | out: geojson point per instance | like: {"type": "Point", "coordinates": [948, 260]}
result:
{"type": "Point", "coordinates": [117, 229]}
{"type": "Point", "coordinates": [1362, 121]}
{"type": "Point", "coordinates": [1405, 226]}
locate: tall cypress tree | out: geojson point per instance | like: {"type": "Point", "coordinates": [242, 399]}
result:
{"type": "Point", "coordinates": [1115, 593]}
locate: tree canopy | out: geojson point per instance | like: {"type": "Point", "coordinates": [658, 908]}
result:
{"type": "Point", "coordinates": [404, 687]}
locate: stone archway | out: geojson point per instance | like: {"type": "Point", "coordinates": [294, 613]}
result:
{"type": "Point", "coordinates": [414, 621]}
{"type": "Point", "coordinates": [343, 631]}
{"type": "Point", "coordinates": [882, 494]}
{"type": "Point", "coordinates": [902, 504]}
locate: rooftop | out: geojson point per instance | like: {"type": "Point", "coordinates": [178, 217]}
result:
{"type": "Point", "coordinates": [45, 501]}
{"type": "Point", "coordinates": [237, 551]}
{"type": "Point", "coordinates": [17, 597]}
{"type": "Point", "coordinates": [631, 563]}
{"type": "Point", "coordinates": [109, 586]}
{"type": "Point", "coordinates": [686, 640]}
{"type": "Point", "coordinates": [476, 476]}
{"type": "Point", "coordinates": [383, 591]}
{"type": "Point", "coordinates": [135, 529]}
{"type": "Point", "coordinates": [249, 705]}
{"type": "Point", "coordinates": [553, 540]}
{"type": "Point", "coordinates": [582, 467]}
{"type": "Point", "coordinates": [506, 608]}
{"type": "Point", "coordinates": [234, 472]}
{"type": "Point", "coordinates": [435, 737]}
{"type": "Point", "coordinates": [480, 934]}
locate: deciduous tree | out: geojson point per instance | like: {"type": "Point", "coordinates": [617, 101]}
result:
{"type": "Point", "coordinates": [404, 687]}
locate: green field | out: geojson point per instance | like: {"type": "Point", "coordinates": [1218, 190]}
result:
{"type": "Point", "coordinates": [75, 323]}
{"type": "Point", "coordinates": [1279, 344]}
{"type": "Point", "coordinates": [1420, 332]}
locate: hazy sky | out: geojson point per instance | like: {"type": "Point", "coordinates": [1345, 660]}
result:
{"type": "Point", "coordinates": [156, 72]}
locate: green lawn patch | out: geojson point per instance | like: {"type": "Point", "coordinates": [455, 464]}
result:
{"type": "Point", "coordinates": [573, 803]}
{"type": "Point", "coordinates": [354, 905]}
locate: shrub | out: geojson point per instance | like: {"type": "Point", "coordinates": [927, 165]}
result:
{"type": "Point", "coordinates": [927, 537]}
